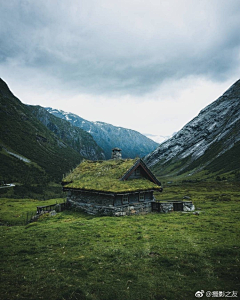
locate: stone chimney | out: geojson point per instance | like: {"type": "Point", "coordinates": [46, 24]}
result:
{"type": "Point", "coordinates": [116, 153]}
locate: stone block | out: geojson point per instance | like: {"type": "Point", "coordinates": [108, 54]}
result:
{"type": "Point", "coordinates": [52, 213]}
{"type": "Point", "coordinates": [118, 214]}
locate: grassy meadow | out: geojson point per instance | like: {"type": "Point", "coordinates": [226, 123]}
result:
{"type": "Point", "coordinates": [75, 256]}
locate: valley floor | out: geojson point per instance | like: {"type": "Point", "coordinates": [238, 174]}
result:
{"type": "Point", "coordinates": [156, 256]}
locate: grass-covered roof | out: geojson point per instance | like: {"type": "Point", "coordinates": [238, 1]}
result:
{"type": "Point", "coordinates": [105, 176]}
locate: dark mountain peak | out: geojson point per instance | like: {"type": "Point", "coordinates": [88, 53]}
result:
{"type": "Point", "coordinates": [229, 103]}
{"type": "Point", "coordinates": [234, 90]}
{"type": "Point", "coordinates": [3, 84]}
{"type": "Point", "coordinates": [4, 89]}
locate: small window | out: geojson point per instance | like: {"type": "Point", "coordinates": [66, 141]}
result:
{"type": "Point", "coordinates": [137, 172]}
{"type": "Point", "coordinates": [125, 199]}
{"type": "Point", "coordinates": [141, 197]}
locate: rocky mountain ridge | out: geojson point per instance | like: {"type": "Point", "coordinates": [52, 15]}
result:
{"type": "Point", "coordinates": [108, 136]}
{"type": "Point", "coordinates": [73, 136]}
{"type": "Point", "coordinates": [209, 136]}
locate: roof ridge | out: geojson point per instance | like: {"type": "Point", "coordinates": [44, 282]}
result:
{"type": "Point", "coordinates": [129, 170]}
{"type": "Point", "coordinates": [147, 170]}
{"type": "Point", "coordinates": [151, 173]}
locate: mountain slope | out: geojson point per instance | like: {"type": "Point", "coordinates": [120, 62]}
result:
{"type": "Point", "coordinates": [108, 136]}
{"type": "Point", "coordinates": [210, 141]}
{"type": "Point", "coordinates": [73, 136]}
{"type": "Point", "coordinates": [29, 151]}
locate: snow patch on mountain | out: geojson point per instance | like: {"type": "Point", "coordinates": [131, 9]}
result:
{"type": "Point", "coordinates": [108, 136]}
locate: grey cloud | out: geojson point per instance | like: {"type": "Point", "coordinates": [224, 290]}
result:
{"type": "Point", "coordinates": [99, 47]}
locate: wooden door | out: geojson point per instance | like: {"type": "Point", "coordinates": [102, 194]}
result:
{"type": "Point", "coordinates": [178, 206]}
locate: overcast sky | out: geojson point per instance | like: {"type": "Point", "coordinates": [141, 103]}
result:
{"type": "Point", "coordinates": [146, 65]}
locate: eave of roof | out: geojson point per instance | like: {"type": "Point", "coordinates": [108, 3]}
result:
{"type": "Point", "coordinates": [104, 192]}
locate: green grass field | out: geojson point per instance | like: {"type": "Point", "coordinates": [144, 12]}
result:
{"type": "Point", "coordinates": [156, 256]}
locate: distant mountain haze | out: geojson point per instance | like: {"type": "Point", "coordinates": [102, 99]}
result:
{"type": "Point", "coordinates": [107, 136]}
{"type": "Point", "coordinates": [158, 138]}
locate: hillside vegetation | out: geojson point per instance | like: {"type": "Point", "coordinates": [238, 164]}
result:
{"type": "Point", "coordinates": [22, 134]}
{"type": "Point", "coordinates": [33, 153]}
{"type": "Point", "coordinates": [73, 136]}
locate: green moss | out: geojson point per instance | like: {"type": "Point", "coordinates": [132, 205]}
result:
{"type": "Point", "coordinates": [105, 176]}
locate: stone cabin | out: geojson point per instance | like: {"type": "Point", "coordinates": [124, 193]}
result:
{"type": "Point", "coordinates": [114, 187]}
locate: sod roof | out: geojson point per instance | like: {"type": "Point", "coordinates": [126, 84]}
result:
{"type": "Point", "coordinates": [106, 176]}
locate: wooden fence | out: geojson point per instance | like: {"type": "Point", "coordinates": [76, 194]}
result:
{"type": "Point", "coordinates": [47, 208]}
{"type": "Point", "coordinates": [31, 216]}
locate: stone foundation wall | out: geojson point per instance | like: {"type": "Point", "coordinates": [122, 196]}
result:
{"type": "Point", "coordinates": [100, 204]}
{"type": "Point", "coordinates": [188, 206]}
{"type": "Point", "coordinates": [110, 205]}
{"type": "Point", "coordinates": [88, 198]}
{"type": "Point", "coordinates": [110, 210]}
{"type": "Point", "coordinates": [168, 206]}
